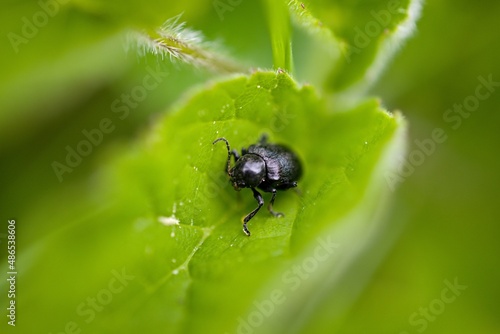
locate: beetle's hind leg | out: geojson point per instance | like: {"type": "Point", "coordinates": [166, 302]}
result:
{"type": "Point", "coordinates": [270, 206]}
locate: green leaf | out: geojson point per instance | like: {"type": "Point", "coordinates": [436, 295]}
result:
{"type": "Point", "coordinates": [368, 34]}
{"type": "Point", "coordinates": [167, 223]}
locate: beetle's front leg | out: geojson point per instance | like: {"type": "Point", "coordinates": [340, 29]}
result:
{"type": "Point", "coordinates": [235, 154]}
{"type": "Point", "coordinates": [260, 201]}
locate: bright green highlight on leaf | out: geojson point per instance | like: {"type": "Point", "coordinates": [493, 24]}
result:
{"type": "Point", "coordinates": [175, 223]}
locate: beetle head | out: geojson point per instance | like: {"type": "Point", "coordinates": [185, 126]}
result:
{"type": "Point", "coordinates": [248, 172]}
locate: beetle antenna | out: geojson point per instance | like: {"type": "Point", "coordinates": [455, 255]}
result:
{"type": "Point", "coordinates": [228, 152]}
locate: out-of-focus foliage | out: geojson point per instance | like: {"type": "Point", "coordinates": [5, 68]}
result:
{"type": "Point", "coordinates": [90, 238]}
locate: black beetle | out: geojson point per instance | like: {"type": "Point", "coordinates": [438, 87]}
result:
{"type": "Point", "coordinates": [269, 167]}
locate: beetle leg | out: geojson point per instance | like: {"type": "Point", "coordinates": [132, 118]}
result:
{"type": "Point", "coordinates": [270, 206]}
{"type": "Point", "coordinates": [260, 201]}
{"type": "Point", "coordinates": [263, 139]}
{"type": "Point", "coordinates": [235, 155]}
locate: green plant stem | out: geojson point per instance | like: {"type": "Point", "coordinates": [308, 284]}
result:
{"type": "Point", "coordinates": [165, 42]}
{"type": "Point", "coordinates": [279, 27]}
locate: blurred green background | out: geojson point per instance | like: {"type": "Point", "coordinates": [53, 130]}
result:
{"type": "Point", "coordinates": [67, 76]}
{"type": "Point", "coordinates": [450, 202]}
